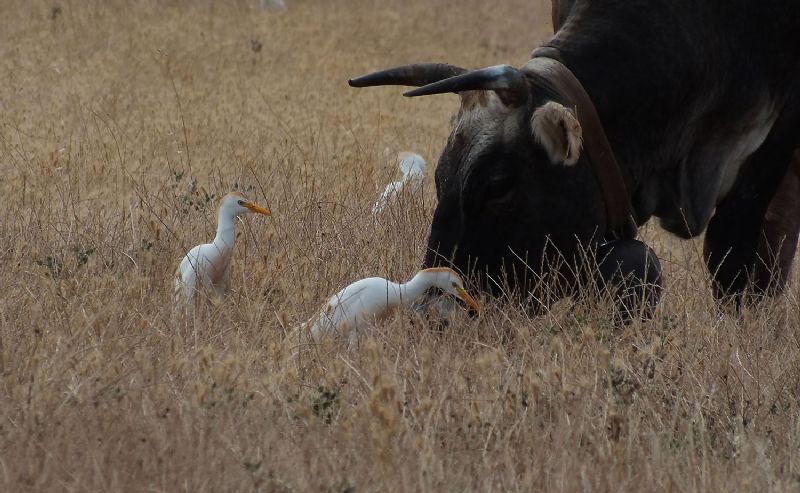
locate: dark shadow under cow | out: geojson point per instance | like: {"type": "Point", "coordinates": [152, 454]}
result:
{"type": "Point", "coordinates": [694, 104]}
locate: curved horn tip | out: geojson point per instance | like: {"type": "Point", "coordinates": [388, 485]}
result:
{"type": "Point", "coordinates": [357, 82]}
{"type": "Point", "coordinates": [414, 93]}
{"type": "Point", "coordinates": [417, 74]}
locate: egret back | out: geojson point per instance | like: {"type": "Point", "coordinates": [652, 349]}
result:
{"type": "Point", "coordinates": [354, 307]}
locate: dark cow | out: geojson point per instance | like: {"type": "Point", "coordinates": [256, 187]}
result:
{"type": "Point", "coordinates": [687, 110]}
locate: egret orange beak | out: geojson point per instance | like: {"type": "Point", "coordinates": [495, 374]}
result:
{"type": "Point", "coordinates": [257, 208]}
{"type": "Point", "coordinates": [468, 299]}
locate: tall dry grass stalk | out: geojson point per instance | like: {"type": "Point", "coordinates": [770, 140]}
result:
{"type": "Point", "coordinates": [121, 125]}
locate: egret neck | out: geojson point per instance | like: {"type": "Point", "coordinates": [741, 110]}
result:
{"type": "Point", "coordinates": [416, 287]}
{"type": "Point", "coordinates": [226, 235]}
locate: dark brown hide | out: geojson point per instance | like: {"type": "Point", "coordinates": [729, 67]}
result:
{"type": "Point", "coordinates": [619, 213]}
{"type": "Point", "coordinates": [779, 233]}
{"type": "Point", "coordinates": [561, 9]}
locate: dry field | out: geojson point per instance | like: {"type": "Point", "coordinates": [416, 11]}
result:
{"type": "Point", "coordinates": [122, 123]}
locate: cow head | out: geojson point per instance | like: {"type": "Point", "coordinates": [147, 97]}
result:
{"type": "Point", "coordinates": [515, 194]}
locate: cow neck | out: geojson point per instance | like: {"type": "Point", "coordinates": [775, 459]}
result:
{"type": "Point", "coordinates": [620, 218]}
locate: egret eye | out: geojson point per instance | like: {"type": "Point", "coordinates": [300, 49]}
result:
{"type": "Point", "coordinates": [240, 202]}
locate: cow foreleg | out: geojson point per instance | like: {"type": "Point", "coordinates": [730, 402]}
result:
{"type": "Point", "coordinates": [779, 234]}
{"type": "Point", "coordinates": [752, 237]}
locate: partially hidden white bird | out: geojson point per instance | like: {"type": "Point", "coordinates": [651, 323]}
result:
{"type": "Point", "coordinates": [205, 270]}
{"type": "Point", "coordinates": [351, 310]}
{"type": "Point", "coordinates": [413, 167]}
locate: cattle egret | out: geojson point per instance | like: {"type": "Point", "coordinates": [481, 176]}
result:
{"type": "Point", "coordinates": [206, 268]}
{"type": "Point", "coordinates": [350, 310]}
{"type": "Point", "coordinates": [413, 168]}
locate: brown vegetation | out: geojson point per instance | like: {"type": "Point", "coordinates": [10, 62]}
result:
{"type": "Point", "coordinates": [122, 123]}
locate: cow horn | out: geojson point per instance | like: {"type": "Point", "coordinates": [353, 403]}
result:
{"type": "Point", "coordinates": [506, 80]}
{"type": "Point", "coordinates": [417, 74]}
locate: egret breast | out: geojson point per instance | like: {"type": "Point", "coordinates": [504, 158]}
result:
{"type": "Point", "coordinates": [218, 269]}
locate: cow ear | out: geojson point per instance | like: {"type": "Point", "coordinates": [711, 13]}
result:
{"type": "Point", "coordinates": [556, 128]}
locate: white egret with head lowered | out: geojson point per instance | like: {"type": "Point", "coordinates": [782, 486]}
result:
{"type": "Point", "coordinates": [351, 310]}
{"type": "Point", "coordinates": [205, 270]}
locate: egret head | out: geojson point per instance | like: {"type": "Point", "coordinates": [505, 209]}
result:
{"type": "Point", "coordinates": [451, 283]}
{"type": "Point", "coordinates": [235, 204]}
{"type": "Point", "coordinates": [411, 164]}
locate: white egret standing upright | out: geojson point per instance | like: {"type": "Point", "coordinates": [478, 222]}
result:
{"type": "Point", "coordinates": [353, 308]}
{"type": "Point", "coordinates": [205, 270]}
{"type": "Point", "coordinates": [413, 167]}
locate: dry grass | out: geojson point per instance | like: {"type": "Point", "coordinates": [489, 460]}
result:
{"type": "Point", "coordinates": [121, 123]}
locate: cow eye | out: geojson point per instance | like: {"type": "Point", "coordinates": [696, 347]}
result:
{"type": "Point", "coordinates": [498, 188]}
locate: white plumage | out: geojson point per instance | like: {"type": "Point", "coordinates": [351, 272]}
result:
{"type": "Point", "coordinates": [413, 168]}
{"type": "Point", "coordinates": [352, 309]}
{"type": "Point", "coordinates": [205, 270]}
